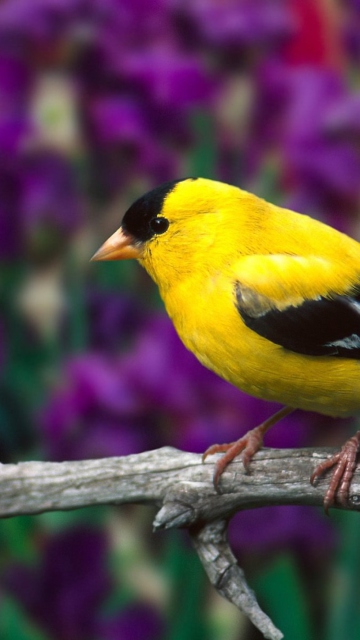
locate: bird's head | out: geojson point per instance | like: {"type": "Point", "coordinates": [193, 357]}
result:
{"type": "Point", "coordinates": [173, 226]}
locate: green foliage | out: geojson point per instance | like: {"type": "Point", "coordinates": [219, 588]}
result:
{"type": "Point", "coordinates": [282, 594]}
{"type": "Point", "coordinates": [14, 625]}
{"type": "Point", "coordinates": [344, 585]}
{"type": "Point", "coordinates": [186, 619]}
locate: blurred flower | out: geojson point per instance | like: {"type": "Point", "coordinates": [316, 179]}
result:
{"type": "Point", "coordinates": [170, 79]}
{"type": "Point", "coordinates": [15, 85]}
{"type": "Point", "coordinates": [156, 394]}
{"type": "Point", "coordinates": [93, 413]}
{"type": "Point", "coordinates": [314, 154]}
{"type": "Point", "coordinates": [316, 40]}
{"type": "Point", "coordinates": [114, 319]}
{"type": "Point", "coordinates": [304, 121]}
{"type": "Point", "coordinates": [138, 622]}
{"type": "Point", "coordinates": [351, 29]}
{"type": "Point", "coordinates": [54, 114]}
{"type": "Point", "coordinates": [125, 144]}
{"type": "Point", "coordinates": [117, 120]}
{"type": "Point", "coordinates": [234, 29]}
{"type": "Point", "coordinates": [128, 98]}
{"type": "Point", "coordinates": [51, 196]}
{"type": "Point", "coordinates": [280, 528]}
{"type": "Point", "coordinates": [65, 591]}
{"type": "Point", "coordinates": [143, 129]}
{"type": "Point", "coordinates": [45, 31]}
{"type": "Point", "coordinates": [41, 300]}
{"type": "Point", "coordinates": [40, 206]}
{"type": "Point", "coordinates": [342, 119]}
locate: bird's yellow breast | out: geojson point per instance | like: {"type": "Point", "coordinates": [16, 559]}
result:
{"type": "Point", "coordinates": [208, 323]}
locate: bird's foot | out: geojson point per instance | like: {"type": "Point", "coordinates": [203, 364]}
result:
{"type": "Point", "coordinates": [249, 444]}
{"type": "Point", "coordinates": [344, 463]}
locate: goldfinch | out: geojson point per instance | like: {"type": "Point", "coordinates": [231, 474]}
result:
{"type": "Point", "coordinates": [267, 298]}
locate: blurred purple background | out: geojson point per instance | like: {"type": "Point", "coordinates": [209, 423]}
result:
{"type": "Point", "coordinates": [101, 100]}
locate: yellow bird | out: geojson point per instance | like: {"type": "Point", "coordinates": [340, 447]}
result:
{"type": "Point", "coordinates": [267, 298]}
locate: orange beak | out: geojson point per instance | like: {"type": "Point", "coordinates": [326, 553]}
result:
{"type": "Point", "coordinates": [120, 246]}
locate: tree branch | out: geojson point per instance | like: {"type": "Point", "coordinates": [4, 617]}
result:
{"type": "Point", "coordinates": [167, 477]}
{"type": "Point", "coordinates": [227, 577]}
{"type": "Point", "coordinates": [181, 486]}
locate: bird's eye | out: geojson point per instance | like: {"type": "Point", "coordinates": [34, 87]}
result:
{"type": "Point", "coordinates": [159, 225]}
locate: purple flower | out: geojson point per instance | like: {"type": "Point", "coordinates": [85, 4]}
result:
{"type": "Point", "coordinates": [351, 29]}
{"type": "Point", "coordinates": [145, 125]}
{"type": "Point", "coordinates": [40, 205]}
{"type": "Point", "coordinates": [307, 117]}
{"type": "Point", "coordinates": [138, 622]}
{"type": "Point", "coordinates": [64, 592]}
{"type": "Point", "coordinates": [170, 84]}
{"type": "Point", "coordinates": [342, 119]}
{"type": "Point", "coordinates": [117, 119]}
{"type": "Point", "coordinates": [51, 197]}
{"type": "Point", "coordinates": [157, 393]}
{"type": "Point", "coordinates": [280, 528]}
{"type": "Point", "coordinates": [169, 78]}
{"type": "Point", "coordinates": [37, 29]}
{"type": "Point", "coordinates": [136, 85]}
{"type": "Point", "coordinates": [15, 84]}
{"type": "Point", "coordinates": [311, 148]}
{"type": "Point", "coordinates": [113, 319]}
{"type": "Point", "coordinates": [93, 413]}
{"type": "Point", "coordinates": [125, 133]}
{"type": "Point", "coordinates": [235, 28]}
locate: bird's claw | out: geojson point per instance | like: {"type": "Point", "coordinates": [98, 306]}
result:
{"type": "Point", "coordinates": [248, 445]}
{"type": "Point", "coordinates": [344, 463]}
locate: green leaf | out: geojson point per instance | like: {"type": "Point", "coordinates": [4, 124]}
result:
{"type": "Point", "coordinates": [203, 154]}
{"type": "Point", "coordinates": [17, 539]}
{"type": "Point", "coordinates": [78, 328]}
{"type": "Point", "coordinates": [116, 275]}
{"type": "Point", "coordinates": [282, 596]}
{"type": "Point", "coordinates": [344, 601]}
{"type": "Point", "coordinates": [14, 625]}
{"type": "Point", "coordinates": [186, 618]}
{"type": "Point", "coordinates": [55, 521]}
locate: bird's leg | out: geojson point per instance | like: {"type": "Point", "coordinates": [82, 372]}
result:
{"type": "Point", "coordinates": [344, 462]}
{"type": "Point", "coordinates": [249, 444]}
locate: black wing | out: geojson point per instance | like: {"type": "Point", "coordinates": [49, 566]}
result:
{"type": "Point", "coordinates": [321, 327]}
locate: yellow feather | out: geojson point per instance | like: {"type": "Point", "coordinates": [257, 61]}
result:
{"type": "Point", "coordinates": [219, 233]}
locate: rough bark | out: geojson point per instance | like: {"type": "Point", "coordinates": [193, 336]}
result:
{"type": "Point", "coordinates": [180, 485]}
